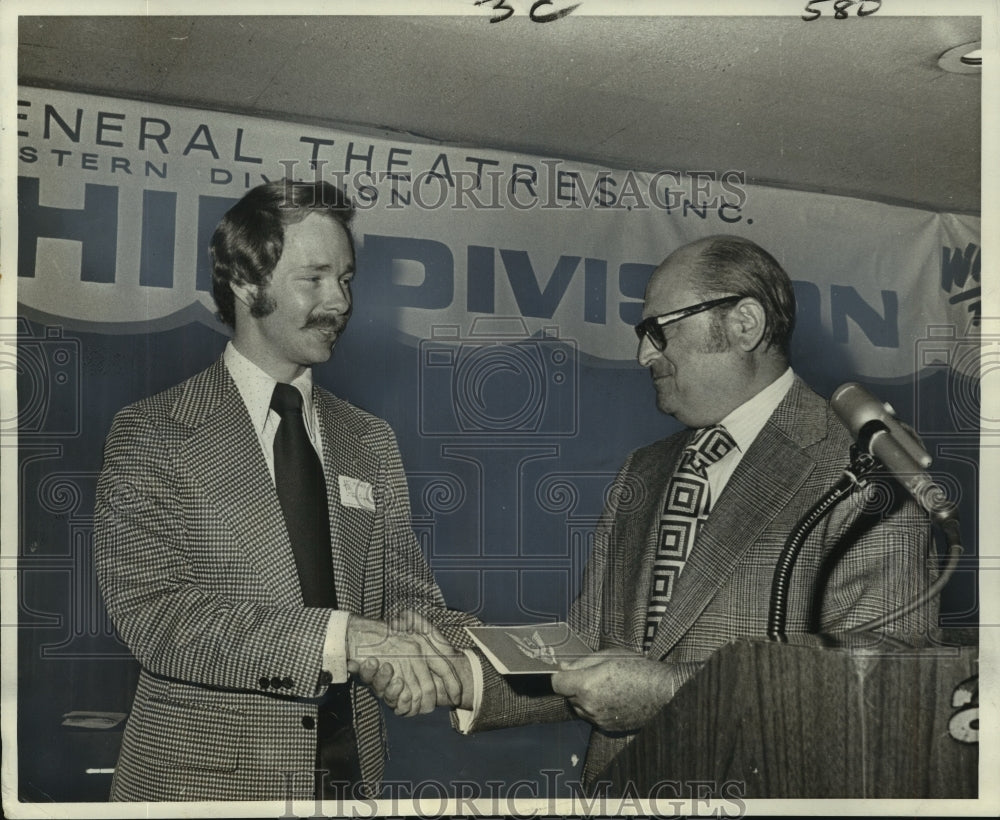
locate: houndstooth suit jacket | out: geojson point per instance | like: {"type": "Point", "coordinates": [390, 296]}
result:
{"type": "Point", "coordinates": [197, 573]}
{"type": "Point", "coordinates": [723, 592]}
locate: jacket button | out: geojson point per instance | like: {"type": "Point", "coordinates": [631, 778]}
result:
{"type": "Point", "coordinates": [287, 683]}
{"type": "Point", "coordinates": [264, 683]}
{"type": "Point", "coordinates": [276, 682]}
{"type": "Point", "coordinates": [325, 678]}
{"type": "Point", "coordinates": [308, 722]}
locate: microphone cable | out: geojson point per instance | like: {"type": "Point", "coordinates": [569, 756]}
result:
{"type": "Point", "coordinates": [953, 538]}
{"type": "Point", "coordinates": [778, 609]}
{"type": "Point", "coordinates": [945, 516]}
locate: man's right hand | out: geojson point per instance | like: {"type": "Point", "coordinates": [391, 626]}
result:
{"type": "Point", "coordinates": [406, 668]}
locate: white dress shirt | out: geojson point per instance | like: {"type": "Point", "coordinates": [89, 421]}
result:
{"type": "Point", "coordinates": [744, 425]}
{"type": "Point", "coordinates": [255, 388]}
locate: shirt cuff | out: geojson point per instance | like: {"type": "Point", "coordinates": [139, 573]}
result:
{"type": "Point", "coordinates": [465, 718]}
{"type": "Point", "coordinates": [335, 646]}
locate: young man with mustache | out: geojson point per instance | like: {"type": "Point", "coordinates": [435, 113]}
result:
{"type": "Point", "coordinates": [253, 540]}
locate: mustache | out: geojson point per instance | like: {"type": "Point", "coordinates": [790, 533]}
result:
{"type": "Point", "coordinates": [328, 321]}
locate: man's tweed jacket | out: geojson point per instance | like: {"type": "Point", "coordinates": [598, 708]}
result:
{"type": "Point", "coordinates": [724, 590]}
{"type": "Point", "coordinates": [198, 576]}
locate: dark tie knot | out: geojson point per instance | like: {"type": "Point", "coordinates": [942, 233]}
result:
{"type": "Point", "coordinates": [286, 399]}
{"type": "Point", "coordinates": [708, 446]}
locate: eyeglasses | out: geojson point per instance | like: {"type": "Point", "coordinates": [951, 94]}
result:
{"type": "Point", "coordinates": [652, 327]}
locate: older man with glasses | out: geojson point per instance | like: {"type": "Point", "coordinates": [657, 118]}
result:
{"type": "Point", "coordinates": [684, 556]}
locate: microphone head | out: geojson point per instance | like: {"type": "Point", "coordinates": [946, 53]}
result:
{"type": "Point", "coordinates": [874, 426]}
{"type": "Point", "coordinates": [855, 407]}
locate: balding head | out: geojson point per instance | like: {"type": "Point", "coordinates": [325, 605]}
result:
{"type": "Point", "coordinates": [718, 317]}
{"type": "Point", "coordinates": [732, 264]}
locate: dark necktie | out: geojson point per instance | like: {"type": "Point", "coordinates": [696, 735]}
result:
{"type": "Point", "coordinates": [685, 508]}
{"type": "Point", "coordinates": [298, 478]}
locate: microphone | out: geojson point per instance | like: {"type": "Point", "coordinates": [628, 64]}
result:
{"type": "Point", "coordinates": [877, 431]}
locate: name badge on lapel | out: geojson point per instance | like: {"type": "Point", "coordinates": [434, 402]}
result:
{"type": "Point", "coordinates": [356, 493]}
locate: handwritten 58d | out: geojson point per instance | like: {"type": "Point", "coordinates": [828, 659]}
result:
{"type": "Point", "coordinates": [539, 12]}
{"type": "Point", "coordinates": [841, 8]}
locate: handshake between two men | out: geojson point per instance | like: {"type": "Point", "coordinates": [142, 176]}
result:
{"type": "Point", "coordinates": [412, 667]}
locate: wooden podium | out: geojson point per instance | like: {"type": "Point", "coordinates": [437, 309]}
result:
{"type": "Point", "coordinates": [818, 717]}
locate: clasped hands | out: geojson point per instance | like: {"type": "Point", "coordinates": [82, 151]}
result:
{"type": "Point", "coordinates": [410, 665]}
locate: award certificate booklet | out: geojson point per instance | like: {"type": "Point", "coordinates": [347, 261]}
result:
{"type": "Point", "coordinates": [529, 650]}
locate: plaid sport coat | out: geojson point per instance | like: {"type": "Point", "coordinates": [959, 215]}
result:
{"type": "Point", "coordinates": [197, 573]}
{"type": "Point", "coordinates": [868, 555]}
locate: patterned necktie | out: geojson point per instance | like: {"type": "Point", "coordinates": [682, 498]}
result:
{"type": "Point", "coordinates": [686, 506]}
{"type": "Point", "coordinates": [298, 478]}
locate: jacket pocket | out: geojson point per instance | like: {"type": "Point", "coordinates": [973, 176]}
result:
{"type": "Point", "coordinates": [193, 737]}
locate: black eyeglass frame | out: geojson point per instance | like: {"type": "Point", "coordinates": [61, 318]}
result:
{"type": "Point", "coordinates": [652, 326]}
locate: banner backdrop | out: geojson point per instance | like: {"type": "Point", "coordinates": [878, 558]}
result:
{"type": "Point", "coordinates": [118, 200]}
{"type": "Point", "coordinates": [492, 328]}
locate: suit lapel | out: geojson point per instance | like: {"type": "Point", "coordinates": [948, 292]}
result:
{"type": "Point", "coordinates": [224, 455]}
{"type": "Point", "coordinates": [767, 478]}
{"type": "Point", "coordinates": [346, 454]}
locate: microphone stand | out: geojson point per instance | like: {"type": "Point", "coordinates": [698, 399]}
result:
{"type": "Point", "coordinates": [862, 463]}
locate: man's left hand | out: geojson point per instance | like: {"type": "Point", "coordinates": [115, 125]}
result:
{"type": "Point", "coordinates": [615, 689]}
